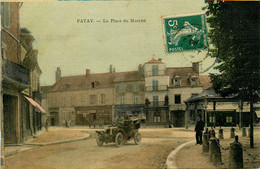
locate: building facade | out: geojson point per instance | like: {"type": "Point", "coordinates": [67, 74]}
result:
{"type": "Point", "coordinates": [153, 92]}
{"type": "Point", "coordinates": [156, 92]}
{"type": "Point", "coordinates": [16, 77]}
{"type": "Point", "coordinates": [129, 94]}
{"type": "Point", "coordinates": [81, 100]}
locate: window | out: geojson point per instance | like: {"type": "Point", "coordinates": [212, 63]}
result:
{"type": "Point", "coordinates": [135, 87]}
{"type": "Point", "coordinates": [154, 70]}
{"type": "Point", "coordinates": [5, 14]}
{"type": "Point", "coordinates": [155, 100]}
{"type": "Point", "coordinates": [157, 119]}
{"type": "Point", "coordinates": [212, 119]}
{"type": "Point", "coordinates": [122, 99]}
{"type": "Point", "coordinates": [229, 119]}
{"type": "Point", "coordinates": [194, 81]}
{"type": "Point", "coordinates": [177, 98]}
{"type": "Point", "coordinates": [135, 99]}
{"type": "Point", "coordinates": [177, 82]}
{"type": "Point", "coordinates": [103, 98]}
{"type": "Point", "coordinates": [121, 87]}
{"type": "Point", "coordinates": [155, 85]}
{"type": "Point", "coordinates": [93, 99]}
{"type": "Point", "coordinates": [92, 84]}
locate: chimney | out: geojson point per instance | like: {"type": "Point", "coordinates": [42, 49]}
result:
{"type": "Point", "coordinates": [140, 68]}
{"type": "Point", "coordinates": [87, 71]}
{"type": "Point", "coordinates": [195, 67]}
{"type": "Point", "coordinates": [111, 69]}
{"type": "Point", "coordinates": [160, 59]}
{"type": "Point", "coordinates": [58, 74]}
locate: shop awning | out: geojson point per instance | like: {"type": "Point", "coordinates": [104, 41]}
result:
{"type": "Point", "coordinates": [35, 104]}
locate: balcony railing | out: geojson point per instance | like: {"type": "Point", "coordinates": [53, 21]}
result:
{"type": "Point", "coordinates": [157, 104]}
{"type": "Point", "coordinates": [156, 88]}
{"type": "Point", "coordinates": [15, 72]}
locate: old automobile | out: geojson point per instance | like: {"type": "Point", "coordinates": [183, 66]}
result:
{"type": "Point", "coordinates": [120, 132]}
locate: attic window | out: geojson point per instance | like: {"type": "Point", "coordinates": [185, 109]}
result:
{"type": "Point", "coordinates": [92, 84]}
{"type": "Point", "coordinates": [193, 80]}
{"type": "Point", "coordinates": [177, 81]}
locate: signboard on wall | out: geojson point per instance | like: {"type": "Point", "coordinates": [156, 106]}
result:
{"type": "Point", "coordinates": [185, 33]}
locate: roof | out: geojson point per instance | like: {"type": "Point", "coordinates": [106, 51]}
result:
{"type": "Point", "coordinates": [210, 92]}
{"type": "Point", "coordinates": [45, 89]}
{"type": "Point", "coordinates": [184, 74]}
{"type": "Point", "coordinates": [205, 81]}
{"type": "Point", "coordinates": [99, 80]}
{"type": "Point", "coordinates": [128, 76]}
{"type": "Point", "coordinates": [153, 60]}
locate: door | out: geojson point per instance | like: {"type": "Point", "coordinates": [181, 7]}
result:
{"type": "Point", "coordinates": [10, 120]}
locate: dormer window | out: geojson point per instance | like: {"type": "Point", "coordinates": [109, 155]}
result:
{"type": "Point", "coordinates": [193, 80]}
{"type": "Point", "coordinates": [92, 84]}
{"type": "Point", "coordinates": [176, 81]}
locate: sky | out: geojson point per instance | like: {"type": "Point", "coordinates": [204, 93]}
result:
{"type": "Point", "coordinates": [65, 36]}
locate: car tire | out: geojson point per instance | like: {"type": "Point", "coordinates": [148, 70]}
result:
{"type": "Point", "coordinates": [137, 138]}
{"type": "Point", "coordinates": [99, 140]}
{"type": "Point", "coordinates": [119, 139]}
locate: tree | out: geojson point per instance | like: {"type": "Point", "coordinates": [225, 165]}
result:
{"type": "Point", "coordinates": [234, 33]}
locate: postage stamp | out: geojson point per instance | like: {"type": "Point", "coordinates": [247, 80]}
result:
{"type": "Point", "coordinates": [184, 33]}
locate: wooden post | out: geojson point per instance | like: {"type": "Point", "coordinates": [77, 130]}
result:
{"type": "Point", "coordinates": [205, 110]}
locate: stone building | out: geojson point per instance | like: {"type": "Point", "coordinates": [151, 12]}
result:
{"type": "Point", "coordinates": [183, 83]}
{"type": "Point", "coordinates": [29, 61]}
{"type": "Point", "coordinates": [16, 117]}
{"type": "Point", "coordinates": [17, 78]}
{"type": "Point", "coordinates": [156, 91]}
{"type": "Point", "coordinates": [81, 100]}
{"type": "Point", "coordinates": [129, 97]}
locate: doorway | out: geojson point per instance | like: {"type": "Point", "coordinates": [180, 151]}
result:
{"type": "Point", "coordinates": [10, 118]}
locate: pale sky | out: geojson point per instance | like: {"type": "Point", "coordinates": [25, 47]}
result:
{"type": "Point", "coordinates": [74, 47]}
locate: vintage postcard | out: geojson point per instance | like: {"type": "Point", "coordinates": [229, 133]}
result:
{"type": "Point", "coordinates": [118, 84]}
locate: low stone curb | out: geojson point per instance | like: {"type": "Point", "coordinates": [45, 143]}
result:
{"type": "Point", "coordinates": [171, 159]}
{"type": "Point", "coordinates": [46, 144]}
{"type": "Point", "coordinates": [58, 142]}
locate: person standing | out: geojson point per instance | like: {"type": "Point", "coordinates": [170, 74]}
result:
{"type": "Point", "coordinates": [199, 129]}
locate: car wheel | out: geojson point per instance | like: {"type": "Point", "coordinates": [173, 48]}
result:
{"type": "Point", "coordinates": [99, 140]}
{"type": "Point", "coordinates": [137, 138]}
{"type": "Point", "coordinates": [119, 139]}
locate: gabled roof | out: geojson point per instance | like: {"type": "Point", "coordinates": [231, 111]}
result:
{"type": "Point", "coordinates": [184, 74]}
{"type": "Point", "coordinates": [100, 80]}
{"type": "Point", "coordinates": [103, 80]}
{"type": "Point", "coordinates": [153, 60]}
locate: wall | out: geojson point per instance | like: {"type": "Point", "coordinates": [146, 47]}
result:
{"type": "Point", "coordinates": [128, 93]}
